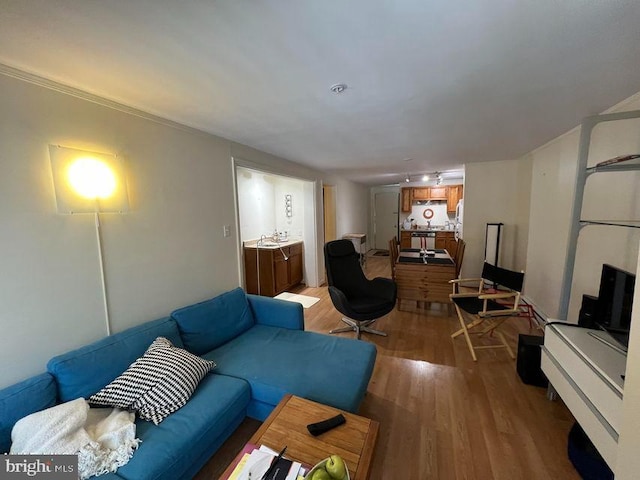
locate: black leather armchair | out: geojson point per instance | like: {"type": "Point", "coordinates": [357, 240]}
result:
{"type": "Point", "coordinates": [360, 300]}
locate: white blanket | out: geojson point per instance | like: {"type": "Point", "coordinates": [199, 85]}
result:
{"type": "Point", "coordinates": [103, 438]}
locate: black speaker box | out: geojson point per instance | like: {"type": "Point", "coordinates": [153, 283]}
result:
{"type": "Point", "coordinates": [528, 362]}
{"type": "Point", "coordinates": [586, 317]}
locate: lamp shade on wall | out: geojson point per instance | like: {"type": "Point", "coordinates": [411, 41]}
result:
{"type": "Point", "coordinates": [88, 182]}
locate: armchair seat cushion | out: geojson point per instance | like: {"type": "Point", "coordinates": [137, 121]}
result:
{"type": "Point", "coordinates": [369, 305]}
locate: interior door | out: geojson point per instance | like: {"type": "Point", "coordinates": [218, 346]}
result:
{"type": "Point", "coordinates": [329, 201]}
{"type": "Point", "coordinates": [385, 219]}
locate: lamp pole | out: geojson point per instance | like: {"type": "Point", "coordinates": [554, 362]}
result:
{"type": "Point", "coordinates": [102, 276]}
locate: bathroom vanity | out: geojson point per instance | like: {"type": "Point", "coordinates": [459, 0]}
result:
{"type": "Point", "coordinates": [272, 268]}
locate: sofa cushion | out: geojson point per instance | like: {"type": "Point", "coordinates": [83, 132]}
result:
{"type": "Point", "coordinates": [22, 399]}
{"type": "Point", "coordinates": [82, 372]}
{"type": "Point", "coordinates": [169, 450]}
{"type": "Point", "coordinates": [273, 361]}
{"type": "Point", "coordinates": [157, 384]}
{"type": "Point", "coordinates": [206, 325]}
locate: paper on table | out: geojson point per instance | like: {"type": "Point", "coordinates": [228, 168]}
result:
{"type": "Point", "coordinates": [235, 475]}
{"type": "Point", "coordinates": [294, 471]}
{"type": "Point", "coordinates": [256, 465]}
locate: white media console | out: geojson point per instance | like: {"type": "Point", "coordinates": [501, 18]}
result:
{"type": "Point", "coordinates": [587, 374]}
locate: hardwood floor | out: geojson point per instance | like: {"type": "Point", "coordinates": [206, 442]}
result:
{"type": "Point", "coordinates": [443, 416]}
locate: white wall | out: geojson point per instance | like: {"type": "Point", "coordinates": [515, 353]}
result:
{"type": "Point", "coordinates": [168, 251]}
{"type": "Point", "coordinates": [607, 196]}
{"type": "Point", "coordinates": [352, 210]}
{"type": "Point", "coordinates": [440, 214]}
{"type": "Point", "coordinates": [261, 206]}
{"type": "Point", "coordinates": [496, 192]}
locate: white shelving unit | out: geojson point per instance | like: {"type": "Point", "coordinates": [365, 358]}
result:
{"type": "Point", "coordinates": [584, 371]}
{"type": "Point", "coordinates": [583, 172]}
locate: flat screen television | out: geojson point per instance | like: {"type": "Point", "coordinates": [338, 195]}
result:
{"type": "Point", "coordinates": [615, 299]}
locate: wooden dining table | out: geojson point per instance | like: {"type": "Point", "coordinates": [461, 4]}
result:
{"type": "Point", "coordinates": [423, 278]}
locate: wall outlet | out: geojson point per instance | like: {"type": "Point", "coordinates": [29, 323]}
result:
{"type": "Point", "coordinates": [226, 231]}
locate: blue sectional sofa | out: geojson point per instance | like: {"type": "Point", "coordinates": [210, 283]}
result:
{"type": "Point", "coordinates": [261, 350]}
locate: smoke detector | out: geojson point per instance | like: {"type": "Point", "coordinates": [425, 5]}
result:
{"type": "Point", "coordinates": [338, 88]}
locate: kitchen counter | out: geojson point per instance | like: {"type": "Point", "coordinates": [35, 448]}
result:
{"type": "Point", "coordinates": [270, 244]}
{"type": "Point", "coordinates": [425, 229]}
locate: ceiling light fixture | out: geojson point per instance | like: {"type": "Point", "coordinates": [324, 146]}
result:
{"type": "Point", "coordinates": [425, 178]}
{"type": "Point", "coordinates": [407, 178]}
{"type": "Point", "coordinates": [338, 88]}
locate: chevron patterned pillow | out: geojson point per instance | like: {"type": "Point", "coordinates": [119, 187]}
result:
{"type": "Point", "coordinates": [156, 384]}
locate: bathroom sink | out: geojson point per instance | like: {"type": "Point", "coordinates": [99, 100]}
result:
{"type": "Point", "coordinates": [268, 244]}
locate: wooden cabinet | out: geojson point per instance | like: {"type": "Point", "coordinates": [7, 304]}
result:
{"type": "Point", "coordinates": [421, 193]}
{"type": "Point", "coordinates": [447, 240]}
{"type": "Point", "coordinates": [295, 265]}
{"type": "Point", "coordinates": [274, 272]}
{"type": "Point", "coordinates": [423, 283]}
{"type": "Point", "coordinates": [450, 193]}
{"type": "Point", "coordinates": [405, 199]}
{"type": "Point", "coordinates": [454, 194]}
{"type": "Point", "coordinates": [405, 239]}
{"type": "Point", "coordinates": [437, 193]}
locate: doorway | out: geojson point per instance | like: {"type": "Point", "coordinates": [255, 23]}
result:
{"type": "Point", "coordinates": [268, 203]}
{"type": "Point", "coordinates": [385, 218]}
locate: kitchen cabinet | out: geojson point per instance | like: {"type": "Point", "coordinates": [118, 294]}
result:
{"type": "Point", "coordinates": [421, 193]}
{"type": "Point", "coordinates": [454, 195]}
{"type": "Point", "coordinates": [450, 193]}
{"type": "Point", "coordinates": [447, 240]}
{"type": "Point", "coordinates": [437, 193]}
{"type": "Point", "coordinates": [405, 239]}
{"type": "Point", "coordinates": [275, 274]}
{"type": "Point", "coordinates": [405, 200]}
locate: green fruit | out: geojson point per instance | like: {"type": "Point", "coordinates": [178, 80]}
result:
{"type": "Point", "coordinates": [336, 468]}
{"type": "Point", "coordinates": [320, 474]}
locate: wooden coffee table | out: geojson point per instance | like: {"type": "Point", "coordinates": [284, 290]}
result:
{"type": "Point", "coordinates": [354, 440]}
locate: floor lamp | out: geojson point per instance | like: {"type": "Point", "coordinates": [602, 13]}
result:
{"type": "Point", "coordinates": [89, 183]}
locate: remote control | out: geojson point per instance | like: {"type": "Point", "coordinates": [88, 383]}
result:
{"type": "Point", "coordinates": [316, 429]}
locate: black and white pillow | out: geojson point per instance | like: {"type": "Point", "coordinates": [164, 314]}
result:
{"type": "Point", "coordinates": [156, 384]}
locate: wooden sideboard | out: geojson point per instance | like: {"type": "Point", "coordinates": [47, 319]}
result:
{"type": "Point", "coordinates": [419, 282]}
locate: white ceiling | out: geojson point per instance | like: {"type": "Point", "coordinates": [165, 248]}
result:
{"type": "Point", "coordinates": [440, 81]}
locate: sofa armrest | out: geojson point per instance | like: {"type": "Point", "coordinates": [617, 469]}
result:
{"type": "Point", "coordinates": [277, 313]}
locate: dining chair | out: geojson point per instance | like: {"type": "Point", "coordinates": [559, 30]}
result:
{"type": "Point", "coordinates": [393, 256]}
{"type": "Point", "coordinates": [459, 256]}
{"type": "Point", "coordinates": [492, 308]}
